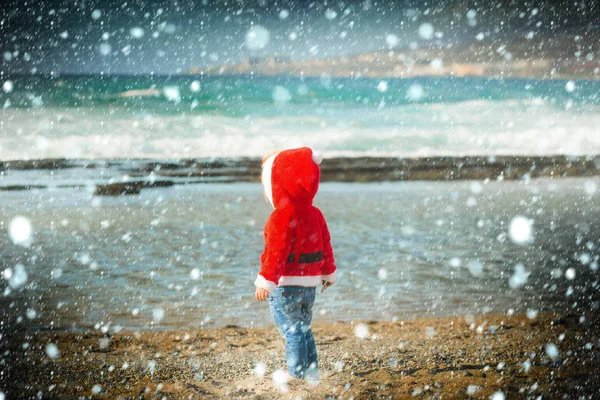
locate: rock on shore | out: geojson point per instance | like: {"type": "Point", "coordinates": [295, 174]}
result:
{"type": "Point", "coordinates": [343, 169]}
{"type": "Point", "coordinates": [125, 188]}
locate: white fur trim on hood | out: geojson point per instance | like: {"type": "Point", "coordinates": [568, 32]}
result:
{"type": "Point", "coordinates": [266, 178]}
{"type": "Point", "coordinates": [317, 157]}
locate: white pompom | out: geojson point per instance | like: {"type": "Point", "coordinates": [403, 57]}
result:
{"type": "Point", "coordinates": [317, 157]}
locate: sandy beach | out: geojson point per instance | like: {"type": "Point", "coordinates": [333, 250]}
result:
{"type": "Point", "coordinates": [473, 356]}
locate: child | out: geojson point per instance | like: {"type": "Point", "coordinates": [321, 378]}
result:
{"type": "Point", "coordinates": [297, 256]}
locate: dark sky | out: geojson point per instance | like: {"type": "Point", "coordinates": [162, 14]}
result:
{"type": "Point", "coordinates": [164, 37]}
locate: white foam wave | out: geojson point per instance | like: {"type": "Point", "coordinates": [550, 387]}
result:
{"type": "Point", "coordinates": [479, 127]}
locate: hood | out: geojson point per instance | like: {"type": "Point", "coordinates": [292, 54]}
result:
{"type": "Point", "coordinates": [291, 177]}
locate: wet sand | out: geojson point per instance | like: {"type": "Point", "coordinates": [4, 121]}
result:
{"type": "Point", "coordinates": [459, 357]}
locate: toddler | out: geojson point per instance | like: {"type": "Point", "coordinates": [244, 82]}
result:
{"type": "Point", "coordinates": [297, 256]}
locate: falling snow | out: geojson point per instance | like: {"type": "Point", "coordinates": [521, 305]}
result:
{"type": "Point", "coordinates": [361, 331]}
{"type": "Point", "coordinates": [17, 277]}
{"type": "Point", "coordinates": [96, 14]}
{"type": "Point", "coordinates": [472, 389]}
{"type": "Point", "coordinates": [195, 86]}
{"type": "Point", "coordinates": [590, 188]}
{"type": "Point", "coordinates": [392, 40]}
{"type": "Point", "coordinates": [498, 396]}
{"type": "Point", "coordinates": [158, 314]}
{"type": "Point", "coordinates": [105, 49]}
{"type": "Point", "coordinates": [455, 262]}
{"type": "Point", "coordinates": [257, 38]}
{"type": "Point", "coordinates": [519, 277]}
{"type": "Point", "coordinates": [552, 351]}
{"type": "Point", "coordinates": [436, 63]}
{"type": "Point", "coordinates": [8, 86]}
{"type": "Point", "coordinates": [20, 231]}
{"type": "Point", "coordinates": [426, 31]}
{"type": "Point", "coordinates": [475, 268]}
{"type": "Point", "coordinates": [281, 95]}
{"type": "Point", "coordinates": [136, 32]}
{"type": "Point", "coordinates": [260, 369]}
{"type": "Point", "coordinates": [520, 230]}
{"type": "Point", "coordinates": [570, 274]}
{"type": "Point", "coordinates": [382, 274]}
{"type": "Point", "coordinates": [172, 93]}
{"type": "Point", "coordinates": [280, 380]}
{"type": "Point", "coordinates": [330, 14]}
{"type": "Point", "coordinates": [415, 92]}
{"type": "Point", "coordinates": [52, 351]}
{"type": "Point", "coordinates": [195, 274]}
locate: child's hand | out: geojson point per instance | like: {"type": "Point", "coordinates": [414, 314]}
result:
{"type": "Point", "coordinates": [261, 294]}
{"type": "Point", "coordinates": [325, 285]}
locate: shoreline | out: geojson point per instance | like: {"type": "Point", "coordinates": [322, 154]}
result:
{"type": "Point", "coordinates": [129, 176]}
{"type": "Point", "coordinates": [452, 357]}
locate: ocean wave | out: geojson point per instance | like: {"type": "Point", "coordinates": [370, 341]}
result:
{"type": "Point", "coordinates": [476, 127]}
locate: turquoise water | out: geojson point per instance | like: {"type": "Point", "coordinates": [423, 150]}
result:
{"type": "Point", "coordinates": [242, 96]}
{"type": "Point", "coordinates": [185, 116]}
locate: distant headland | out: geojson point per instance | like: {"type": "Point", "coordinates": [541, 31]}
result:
{"type": "Point", "coordinates": [542, 57]}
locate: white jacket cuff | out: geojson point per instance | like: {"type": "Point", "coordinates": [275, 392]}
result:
{"type": "Point", "coordinates": [265, 284]}
{"type": "Point", "coordinates": [330, 278]}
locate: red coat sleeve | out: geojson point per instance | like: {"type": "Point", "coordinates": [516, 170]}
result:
{"type": "Point", "coordinates": [278, 241]}
{"type": "Point", "coordinates": [328, 270]}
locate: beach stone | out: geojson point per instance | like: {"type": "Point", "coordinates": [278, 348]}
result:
{"type": "Point", "coordinates": [11, 188]}
{"type": "Point", "coordinates": [47, 164]}
{"type": "Point", "coordinates": [118, 189]}
{"type": "Point", "coordinates": [158, 184]}
{"type": "Point", "coordinates": [129, 188]}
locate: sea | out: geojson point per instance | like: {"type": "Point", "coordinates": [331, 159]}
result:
{"type": "Point", "coordinates": [186, 256]}
{"type": "Point", "coordinates": [192, 116]}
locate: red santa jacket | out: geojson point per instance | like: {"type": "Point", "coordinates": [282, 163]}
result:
{"type": "Point", "coordinates": [297, 243]}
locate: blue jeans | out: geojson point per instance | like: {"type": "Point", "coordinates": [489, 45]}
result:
{"type": "Point", "coordinates": [291, 308]}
